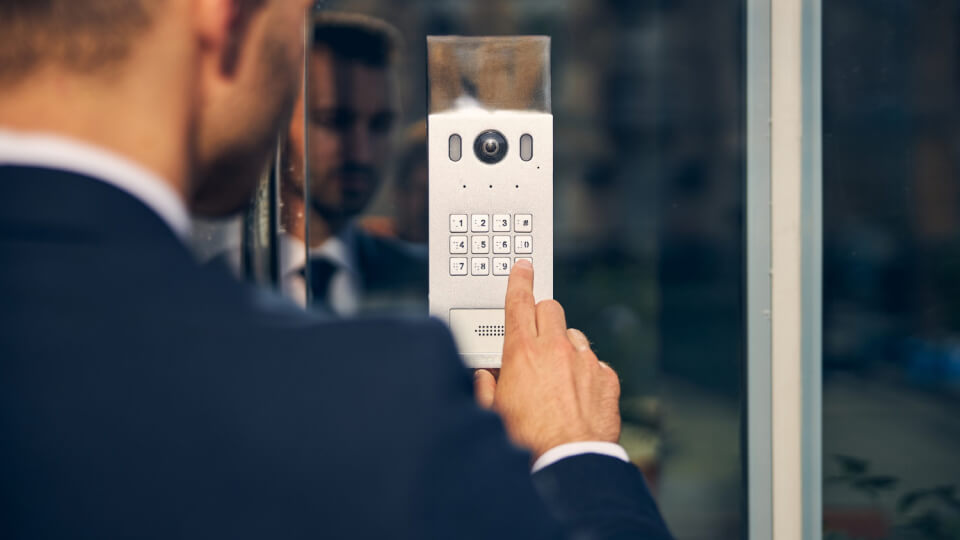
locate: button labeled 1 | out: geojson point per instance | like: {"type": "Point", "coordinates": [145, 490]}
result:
{"type": "Point", "coordinates": [458, 223]}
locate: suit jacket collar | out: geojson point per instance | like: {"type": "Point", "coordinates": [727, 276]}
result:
{"type": "Point", "coordinates": [60, 153]}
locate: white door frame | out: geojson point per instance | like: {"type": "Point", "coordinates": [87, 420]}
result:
{"type": "Point", "coordinates": [784, 271]}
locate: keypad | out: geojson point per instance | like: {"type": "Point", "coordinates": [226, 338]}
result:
{"type": "Point", "coordinates": [471, 243]}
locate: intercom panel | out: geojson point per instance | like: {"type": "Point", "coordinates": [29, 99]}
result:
{"type": "Point", "coordinates": [490, 205]}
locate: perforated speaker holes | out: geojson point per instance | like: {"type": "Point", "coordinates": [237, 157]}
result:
{"type": "Point", "coordinates": [489, 330]}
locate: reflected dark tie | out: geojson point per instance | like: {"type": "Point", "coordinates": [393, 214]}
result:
{"type": "Point", "coordinates": [321, 274]}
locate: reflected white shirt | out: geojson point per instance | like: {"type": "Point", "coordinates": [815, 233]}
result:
{"type": "Point", "coordinates": [346, 285]}
{"type": "Point", "coordinates": [61, 153]}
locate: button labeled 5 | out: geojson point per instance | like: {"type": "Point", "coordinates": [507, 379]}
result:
{"type": "Point", "coordinates": [481, 244]}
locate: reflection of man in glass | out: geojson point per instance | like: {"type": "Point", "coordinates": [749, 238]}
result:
{"type": "Point", "coordinates": [351, 109]}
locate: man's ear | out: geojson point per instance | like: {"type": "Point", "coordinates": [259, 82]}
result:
{"type": "Point", "coordinates": [223, 29]}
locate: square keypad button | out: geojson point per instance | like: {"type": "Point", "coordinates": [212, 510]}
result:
{"type": "Point", "coordinates": [458, 245]}
{"type": "Point", "coordinates": [501, 244]}
{"type": "Point", "coordinates": [480, 223]}
{"type": "Point", "coordinates": [501, 266]}
{"type": "Point", "coordinates": [458, 266]}
{"type": "Point", "coordinates": [480, 266]}
{"type": "Point", "coordinates": [523, 223]}
{"type": "Point", "coordinates": [458, 223]}
{"type": "Point", "coordinates": [501, 223]}
{"type": "Point", "coordinates": [523, 244]}
{"type": "Point", "coordinates": [480, 244]}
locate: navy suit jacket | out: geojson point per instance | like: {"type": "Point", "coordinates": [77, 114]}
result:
{"type": "Point", "coordinates": [143, 396]}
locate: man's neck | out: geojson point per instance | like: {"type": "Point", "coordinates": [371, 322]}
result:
{"type": "Point", "coordinates": [121, 115]}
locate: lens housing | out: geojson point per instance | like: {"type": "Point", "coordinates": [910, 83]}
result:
{"type": "Point", "coordinates": [491, 147]}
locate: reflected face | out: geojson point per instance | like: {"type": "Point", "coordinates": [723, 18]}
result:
{"type": "Point", "coordinates": [350, 119]}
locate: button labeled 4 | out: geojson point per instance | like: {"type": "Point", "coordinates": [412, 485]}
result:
{"type": "Point", "coordinates": [458, 244]}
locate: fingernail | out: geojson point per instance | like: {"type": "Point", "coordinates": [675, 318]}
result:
{"type": "Point", "coordinates": [579, 339]}
{"type": "Point", "coordinates": [522, 263]}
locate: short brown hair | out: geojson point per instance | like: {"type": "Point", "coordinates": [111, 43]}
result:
{"type": "Point", "coordinates": [79, 35]}
{"type": "Point", "coordinates": [356, 37]}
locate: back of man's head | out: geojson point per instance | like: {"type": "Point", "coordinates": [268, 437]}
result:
{"type": "Point", "coordinates": [81, 36]}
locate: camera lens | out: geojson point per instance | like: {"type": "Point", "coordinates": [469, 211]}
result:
{"type": "Point", "coordinates": [491, 147]}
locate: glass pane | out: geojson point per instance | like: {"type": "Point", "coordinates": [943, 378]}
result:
{"type": "Point", "coordinates": [891, 386]}
{"type": "Point", "coordinates": [648, 103]}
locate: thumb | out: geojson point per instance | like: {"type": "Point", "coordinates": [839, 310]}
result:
{"type": "Point", "coordinates": [484, 387]}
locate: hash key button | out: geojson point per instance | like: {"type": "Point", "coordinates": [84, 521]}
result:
{"type": "Point", "coordinates": [523, 223]}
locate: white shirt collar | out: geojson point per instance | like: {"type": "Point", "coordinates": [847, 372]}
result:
{"type": "Point", "coordinates": [339, 249]}
{"type": "Point", "coordinates": [61, 153]}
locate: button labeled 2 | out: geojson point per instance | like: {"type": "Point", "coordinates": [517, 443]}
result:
{"type": "Point", "coordinates": [480, 223]}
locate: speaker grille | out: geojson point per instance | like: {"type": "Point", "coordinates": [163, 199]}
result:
{"type": "Point", "coordinates": [489, 330]}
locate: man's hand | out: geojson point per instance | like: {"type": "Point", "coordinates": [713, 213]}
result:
{"type": "Point", "coordinates": [552, 390]}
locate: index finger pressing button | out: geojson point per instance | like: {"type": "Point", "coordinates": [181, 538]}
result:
{"type": "Point", "coordinates": [521, 320]}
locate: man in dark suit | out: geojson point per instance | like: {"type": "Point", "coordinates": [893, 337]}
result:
{"type": "Point", "coordinates": [145, 396]}
{"type": "Point", "coordinates": [352, 107]}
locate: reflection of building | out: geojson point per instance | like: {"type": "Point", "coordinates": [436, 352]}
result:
{"type": "Point", "coordinates": [892, 212]}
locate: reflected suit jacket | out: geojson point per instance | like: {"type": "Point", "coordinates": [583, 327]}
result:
{"type": "Point", "coordinates": [144, 396]}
